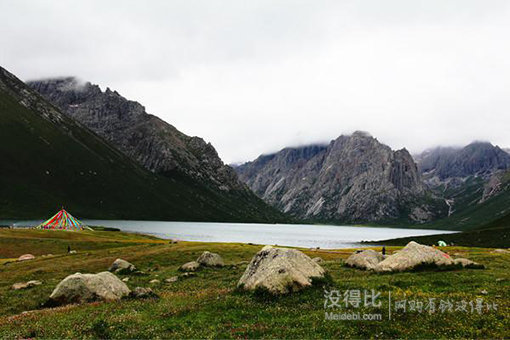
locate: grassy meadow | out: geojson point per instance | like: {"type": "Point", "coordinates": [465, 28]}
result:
{"type": "Point", "coordinates": [208, 305]}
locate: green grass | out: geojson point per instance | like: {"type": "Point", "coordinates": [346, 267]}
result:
{"type": "Point", "coordinates": [209, 306]}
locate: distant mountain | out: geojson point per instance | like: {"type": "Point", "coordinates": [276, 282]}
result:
{"type": "Point", "coordinates": [153, 143]}
{"type": "Point", "coordinates": [473, 181]}
{"type": "Point", "coordinates": [353, 179]}
{"type": "Point", "coordinates": [478, 158]}
{"type": "Point", "coordinates": [49, 159]}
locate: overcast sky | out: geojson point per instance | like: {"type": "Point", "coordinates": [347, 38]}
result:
{"type": "Point", "coordinates": [255, 76]}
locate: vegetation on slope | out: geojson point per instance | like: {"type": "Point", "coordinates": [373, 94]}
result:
{"type": "Point", "coordinates": [49, 160]}
{"type": "Point", "coordinates": [209, 306]}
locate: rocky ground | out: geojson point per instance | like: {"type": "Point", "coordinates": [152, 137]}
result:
{"type": "Point", "coordinates": [210, 302]}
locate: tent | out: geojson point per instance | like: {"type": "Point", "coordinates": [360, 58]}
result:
{"type": "Point", "coordinates": [63, 221]}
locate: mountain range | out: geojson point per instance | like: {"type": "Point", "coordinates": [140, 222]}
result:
{"type": "Point", "coordinates": [357, 179]}
{"type": "Point", "coordinates": [67, 142]}
{"type": "Point", "coordinates": [50, 159]}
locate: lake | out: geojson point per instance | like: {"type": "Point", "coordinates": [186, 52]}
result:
{"type": "Point", "coordinates": [297, 235]}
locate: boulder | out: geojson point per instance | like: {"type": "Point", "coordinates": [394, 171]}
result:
{"type": "Point", "coordinates": [26, 285]}
{"type": "Point", "coordinates": [365, 259]}
{"type": "Point", "coordinates": [209, 259]}
{"type": "Point", "coordinates": [190, 266]}
{"type": "Point", "coordinates": [412, 256]}
{"type": "Point", "coordinates": [80, 288]}
{"type": "Point", "coordinates": [143, 293]}
{"type": "Point", "coordinates": [120, 266]}
{"type": "Point", "coordinates": [26, 257]}
{"type": "Point", "coordinates": [465, 263]}
{"type": "Point", "coordinates": [280, 271]}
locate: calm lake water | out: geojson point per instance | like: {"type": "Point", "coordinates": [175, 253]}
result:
{"type": "Point", "coordinates": [297, 235]}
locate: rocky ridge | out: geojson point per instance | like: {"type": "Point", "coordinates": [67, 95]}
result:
{"type": "Point", "coordinates": [355, 178]}
{"type": "Point", "coordinates": [153, 143]}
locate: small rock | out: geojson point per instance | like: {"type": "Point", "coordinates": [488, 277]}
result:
{"type": "Point", "coordinates": [190, 266]}
{"type": "Point", "coordinates": [501, 251]}
{"type": "Point", "coordinates": [484, 292]}
{"type": "Point", "coordinates": [26, 285]}
{"type": "Point", "coordinates": [72, 252]}
{"type": "Point", "coordinates": [318, 259]}
{"type": "Point", "coordinates": [366, 259]}
{"type": "Point", "coordinates": [209, 259]}
{"type": "Point", "coordinates": [154, 281]}
{"type": "Point", "coordinates": [126, 279]}
{"type": "Point", "coordinates": [140, 273]}
{"type": "Point", "coordinates": [171, 279]}
{"type": "Point", "coordinates": [465, 263]}
{"type": "Point", "coordinates": [188, 274]}
{"type": "Point", "coordinates": [26, 257]}
{"type": "Point", "coordinates": [120, 266]}
{"type": "Point", "coordinates": [500, 279]}
{"type": "Point", "coordinates": [143, 293]}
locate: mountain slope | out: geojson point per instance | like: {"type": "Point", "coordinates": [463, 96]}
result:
{"type": "Point", "coordinates": [353, 179]}
{"type": "Point", "coordinates": [49, 160]}
{"type": "Point", "coordinates": [472, 180]}
{"type": "Point", "coordinates": [153, 143]}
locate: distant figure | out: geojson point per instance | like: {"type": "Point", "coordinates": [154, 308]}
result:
{"type": "Point", "coordinates": [384, 250]}
{"type": "Point", "coordinates": [68, 249]}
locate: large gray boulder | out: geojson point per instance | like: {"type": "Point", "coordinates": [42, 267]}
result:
{"type": "Point", "coordinates": [280, 271]}
{"type": "Point", "coordinates": [209, 259]}
{"type": "Point", "coordinates": [120, 266]}
{"type": "Point", "coordinates": [414, 255]}
{"type": "Point", "coordinates": [365, 259]}
{"type": "Point", "coordinates": [80, 288]}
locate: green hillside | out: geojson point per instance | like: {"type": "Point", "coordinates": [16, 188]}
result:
{"type": "Point", "coordinates": [49, 160]}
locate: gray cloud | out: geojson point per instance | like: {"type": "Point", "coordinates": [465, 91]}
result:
{"type": "Point", "coordinates": [255, 76]}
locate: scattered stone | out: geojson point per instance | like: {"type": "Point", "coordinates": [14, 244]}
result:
{"type": "Point", "coordinates": [140, 273]}
{"type": "Point", "coordinates": [143, 293]}
{"type": "Point", "coordinates": [172, 279]}
{"type": "Point", "coordinates": [318, 259]}
{"type": "Point", "coordinates": [280, 271]}
{"type": "Point", "coordinates": [500, 279]}
{"type": "Point", "coordinates": [240, 263]}
{"type": "Point", "coordinates": [188, 274]}
{"type": "Point", "coordinates": [190, 266]}
{"type": "Point", "coordinates": [72, 252]}
{"type": "Point", "coordinates": [126, 279]}
{"type": "Point", "coordinates": [412, 256]}
{"type": "Point", "coordinates": [80, 288]}
{"type": "Point", "coordinates": [484, 292]}
{"type": "Point", "coordinates": [501, 251]}
{"type": "Point", "coordinates": [154, 281]}
{"type": "Point", "coordinates": [465, 263]}
{"type": "Point", "coordinates": [120, 266]}
{"type": "Point", "coordinates": [26, 257]}
{"type": "Point", "coordinates": [209, 259]}
{"type": "Point", "coordinates": [26, 285]}
{"type": "Point", "coordinates": [365, 259]}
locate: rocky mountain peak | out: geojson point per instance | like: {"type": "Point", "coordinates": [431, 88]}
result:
{"type": "Point", "coordinates": [354, 178]}
{"type": "Point", "coordinates": [155, 144]}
